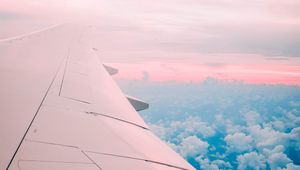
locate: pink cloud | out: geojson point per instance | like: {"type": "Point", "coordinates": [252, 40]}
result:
{"type": "Point", "coordinates": [192, 72]}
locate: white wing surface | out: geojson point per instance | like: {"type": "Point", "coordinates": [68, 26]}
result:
{"type": "Point", "coordinates": [60, 109]}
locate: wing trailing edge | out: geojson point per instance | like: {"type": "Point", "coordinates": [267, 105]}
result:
{"type": "Point", "coordinates": [136, 103]}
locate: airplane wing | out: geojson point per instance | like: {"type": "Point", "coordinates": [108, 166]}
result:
{"type": "Point", "coordinates": [60, 109]}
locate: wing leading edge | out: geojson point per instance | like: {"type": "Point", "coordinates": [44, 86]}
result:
{"type": "Point", "coordinates": [62, 110]}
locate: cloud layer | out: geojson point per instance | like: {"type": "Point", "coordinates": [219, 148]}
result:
{"type": "Point", "coordinates": [225, 125]}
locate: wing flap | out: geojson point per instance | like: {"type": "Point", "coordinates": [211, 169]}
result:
{"type": "Point", "coordinates": [30, 165]}
{"type": "Point", "coordinates": [82, 129]}
{"type": "Point", "coordinates": [85, 131]}
{"type": "Point", "coordinates": [114, 162]}
{"type": "Point", "coordinates": [137, 103]}
{"type": "Point", "coordinates": [110, 70]}
{"type": "Point", "coordinates": [45, 151]}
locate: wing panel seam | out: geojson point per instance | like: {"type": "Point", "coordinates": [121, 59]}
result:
{"type": "Point", "coordinates": [121, 120]}
{"type": "Point", "coordinates": [65, 69]}
{"type": "Point", "coordinates": [92, 160]}
{"type": "Point", "coordinates": [139, 159]}
{"type": "Point", "coordinates": [39, 107]}
{"type": "Point", "coordinates": [107, 154]}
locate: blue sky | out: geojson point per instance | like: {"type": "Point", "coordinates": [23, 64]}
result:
{"type": "Point", "coordinates": [225, 124]}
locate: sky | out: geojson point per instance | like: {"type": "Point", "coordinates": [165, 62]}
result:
{"type": "Point", "coordinates": [190, 40]}
{"type": "Point", "coordinates": [222, 76]}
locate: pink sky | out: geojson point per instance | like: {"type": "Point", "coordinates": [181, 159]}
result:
{"type": "Point", "coordinates": [191, 72]}
{"type": "Point", "coordinates": [184, 40]}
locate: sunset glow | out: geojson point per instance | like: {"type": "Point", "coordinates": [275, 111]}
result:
{"type": "Point", "coordinates": [229, 40]}
{"type": "Point", "coordinates": [196, 73]}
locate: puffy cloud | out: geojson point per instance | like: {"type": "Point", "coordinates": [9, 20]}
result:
{"type": "Point", "coordinates": [226, 124]}
{"type": "Point", "coordinates": [205, 129]}
{"type": "Point", "coordinates": [291, 119]}
{"type": "Point", "coordinates": [267, 137]}
{"type": "Point", "coordinates": [277, 149]}
{"type": "Point", "coordinates": [222, 164]}
{"type": "Point", "coordinates": [295, 120]}
{"type": "Point", "coordinates": [176, 131]}
{"type": "Point", "coordinates": [238, 142]}
{"type": "Point", "coordinates": [276, 158]}
{"type": "Point", "coordinates": [192, 125]}
{"type": "Point", "coordinates": [295, 137]}
{"type": "Point", "coordinates": [277, 125]}
{"type": "Point", "coordinates": [252, 118]}
{"type": "Point", "coordinates": [290, 166]}
{"type": "Point", "coordinates": [206, 164]}
{"type": "Point", "coordinates": [251, 160]}
{"type": "Point", "coordinates": [192, 146]}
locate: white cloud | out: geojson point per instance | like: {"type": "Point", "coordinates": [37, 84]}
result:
{"type": "Point", "coordinates": [290, 119]}
{"type": "Point", "coordinates": [278, 125]}
{"type": "Point", "coordinates": [226, 124]}
{"type": "Point", "coordinates": [192, 126]}
{"type": "Point", "coordinates": [277, 149]}
{"type": "Point", "coordinates": [294, 120]}
{"type": "Point", "coordinates": [222, 164]}
{"type": "Point", "coordinates": [276, 158]}
{"type": "Point", "coordinates": [252, 118]}
{"type": "Point", "coordinates": [206, 164]}
{"type": "Point", "coordinates": [251, 160]}
{"type": "Point", "coordinates": [290, 166]}
{"type": "Point", "coordinates": [295, 137]}
{"type": "Point", "coordinates": [192, 146]}
{"type": "Point", "coordinates": [176, 131]}
{"type": "Point", "coordinates": [267, 137]}
{"type": "Point", "coordinates": [238, 142]}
